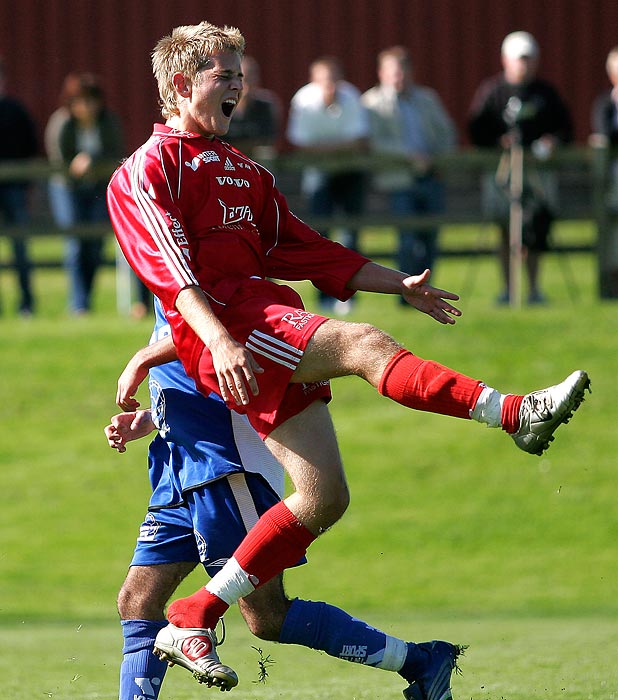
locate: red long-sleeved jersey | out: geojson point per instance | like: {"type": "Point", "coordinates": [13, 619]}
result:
{"type": "Point", "coordinates": [187, 210]}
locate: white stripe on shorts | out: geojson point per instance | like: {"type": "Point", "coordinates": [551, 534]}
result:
{"type": "Point", "coordinates": [244, 499]}
{"type": "Point", "coordinates": [274, 349]}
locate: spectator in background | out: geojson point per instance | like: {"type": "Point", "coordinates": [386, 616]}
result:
{"type": "Point", "coordinates": [60, 200]}
{"type": "Point", "coordinates": [604, 118]}
{"type": "Point", "coordinates": [327, 118]}
{"type": "Point", "coordinates": [256, 124]}
{"type": "Point", "coordinates": [604, 115]}
{"type": "Point", "coordinates": [409, 120]}
{"type": "Point", "coordinates": [18, 141]}
{"type": "Point", "coordinates": [91, 135]}
{"type": "Point", "coordinates": [60, 194]}
{"type": "Point", "coordinates": [518, 103]}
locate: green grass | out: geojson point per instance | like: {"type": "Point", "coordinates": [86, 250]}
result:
{"type": "Point", "coordinates": [508, 659]}
{"type": "Point", "coordinates": [451, 531]}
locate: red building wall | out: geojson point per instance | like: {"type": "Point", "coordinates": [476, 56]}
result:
{"type": "Point", "coordinates": [454, 44]}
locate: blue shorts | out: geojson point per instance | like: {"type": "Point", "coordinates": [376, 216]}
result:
{"type": "Point", "coordinates": [208, 527]}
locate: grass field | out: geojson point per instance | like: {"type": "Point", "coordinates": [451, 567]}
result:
{"type": "Point", "coordinates": [451, 532]}
{"type": "Point", "coordinates": [508, 659]}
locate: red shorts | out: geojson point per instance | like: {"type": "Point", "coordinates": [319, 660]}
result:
{"type": "Point", "coordinates": [269, 319]}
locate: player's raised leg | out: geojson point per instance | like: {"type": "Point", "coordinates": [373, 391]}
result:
{"type": "Point", "coordinates": [340, 348]}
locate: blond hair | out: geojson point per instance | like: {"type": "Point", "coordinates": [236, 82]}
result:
{"type": "Point", "coordinates": [187, 50]}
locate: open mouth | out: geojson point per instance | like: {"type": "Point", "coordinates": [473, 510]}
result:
{"type": "Point", "coordinates": [228, 107]}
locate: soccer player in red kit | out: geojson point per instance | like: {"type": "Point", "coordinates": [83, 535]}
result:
{"type": "Point", "coordinates": [205, 228]}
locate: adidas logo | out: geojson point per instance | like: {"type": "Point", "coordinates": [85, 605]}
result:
{"type": "Point", "coordinates": [228, 165]}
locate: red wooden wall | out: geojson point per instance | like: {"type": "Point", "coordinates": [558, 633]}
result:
{"type": "Point", "coordinates": [454, 43]}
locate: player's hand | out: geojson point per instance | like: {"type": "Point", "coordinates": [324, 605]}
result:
{"type": "Point", "coordinates": [128, 383]}
{"type": "Point", "coordinates": [126, 427]}
{"type": "Point", "coordinates": [236, 368]}
{"type": "Point", "coordinates": [430, 300]}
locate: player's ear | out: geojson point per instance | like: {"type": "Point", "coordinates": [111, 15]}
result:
{"type": "Point", "coordinates": [182, 84]}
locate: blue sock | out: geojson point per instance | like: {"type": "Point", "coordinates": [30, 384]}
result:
{"type": "Point", "coordinates": [327, 628]}
{"type": "Point", "coordinates": [141, 672]}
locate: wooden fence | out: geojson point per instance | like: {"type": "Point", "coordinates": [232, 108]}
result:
{"type": "Point", "coordinates": [582, 175]}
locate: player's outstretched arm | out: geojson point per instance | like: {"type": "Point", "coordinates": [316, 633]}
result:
{"type": "Point", "coordinates": [126, 427]}
{"type": "Point", "coordinates": [414, 289]}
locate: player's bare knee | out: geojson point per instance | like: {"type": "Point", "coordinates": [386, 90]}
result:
{"type": "Point", "coordinates": [364, 335]}
{"type": "Point", "coordinates": [122, 603]}
{"type": "Point", "coordinates": [367, 349]}
{"type": "Point", "coordinates": [341, 500]}
{"type": "Point", "coordinates": [147, 589]}
{"type": "Point", "coordinates": [333, 503]}
{"type": "Point", "coordinates": [134, 604]}
{"type": "Point", "coordinates": [330, 515]}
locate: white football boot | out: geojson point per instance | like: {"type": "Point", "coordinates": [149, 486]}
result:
{"type": "Point", "coordinates": [194, 649]}
{"type": "Point", "coordinates": [542, 411]}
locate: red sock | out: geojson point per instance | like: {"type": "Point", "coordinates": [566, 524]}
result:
{"type": "Point", "coordinates": [428, 386]}
{"type": "Point", "coordinates": [278, 540]}
{"type": "Point", "coordinates": [202, 609]}
{"type": "Point", "coordinates": [510, 413]}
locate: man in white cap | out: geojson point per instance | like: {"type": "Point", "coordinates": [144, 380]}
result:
{"type": "Point", "coordinates": [518, 104]}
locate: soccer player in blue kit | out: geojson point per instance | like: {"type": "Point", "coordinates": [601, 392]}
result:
{"type": "Point", "coordinates": [212, 477]}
